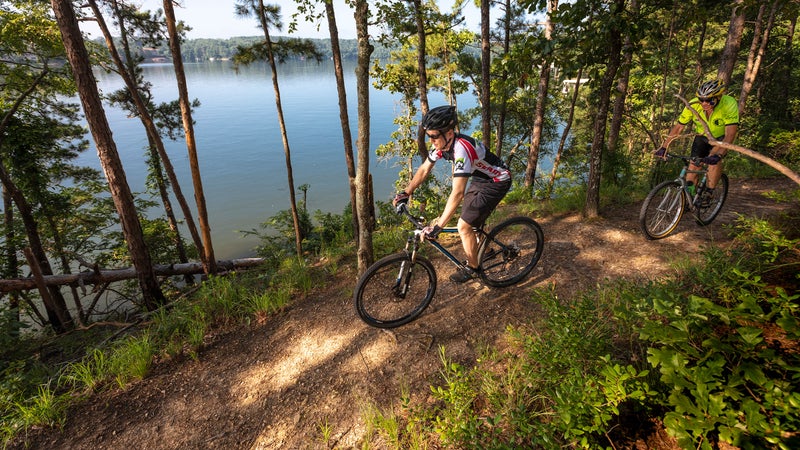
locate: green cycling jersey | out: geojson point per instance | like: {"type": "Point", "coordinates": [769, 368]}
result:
{"type": "Point", "coordinates": [724, 114]}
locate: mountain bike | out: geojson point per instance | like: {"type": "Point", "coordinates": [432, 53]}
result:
{"type": "Point", "coordinates": [396, 289]}
{"type": "Point", "coordinates": [664, 205]}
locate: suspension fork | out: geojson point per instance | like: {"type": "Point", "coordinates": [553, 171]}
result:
{"type": "Point", "coordinates": [400, 287]}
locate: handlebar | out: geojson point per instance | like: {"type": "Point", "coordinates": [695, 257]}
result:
{"type": "Point", "coordinates": [686, 159]}
{"type": "Point", "coordinates": [419, 222]}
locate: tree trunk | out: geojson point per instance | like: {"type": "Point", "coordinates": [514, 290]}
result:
{"type": "Point", "coordinates": [344, 117]}
{"type": "Point", "coordinates": [786, 73]}
{"type": "Point", "coordinates": [148, 123]}
{"type": "Point", "coordinates": [58, 249]}
{"type": "Point", "coordinates": [503, 107]}
{"type": "Point", "coordinates": [54, 303]}
{"type": "Point", "coordinates": [486, 66]}
{"type": "Point", "coordinates": [161, 183]}
{"type": "Point", "coordinates": [665, 73]}
{"type": "Point", "coordinates": [541, 104]}
{"type": "Point", "coordinates": [701, 41]}
{"type": "Point", "coordinates": [298, 232]}
{"type": "Point", "coordinates": [10, 269]}
{"type": "Point", "coordinates": [422, 74]}
{"type": "Point", "coordinates": [732, 43]}
{"type": "Point", "coordinates": [209, 259]}
{"type": "Point", "coordinates": [622, 85]}
{"type": "Point", "coordinates": [592, 206]}
{"type": "Point", "coordinates": [757, 50]}
{"type": "Point", "coordinates": [363, 181]}
{"type": "Point", "coordinates": [78, 58]}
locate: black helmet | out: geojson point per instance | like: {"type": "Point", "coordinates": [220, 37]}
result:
{"type": "Point", "coordinates": [711, 89]}
{"type": "Point", "coordinates": [441, 118]}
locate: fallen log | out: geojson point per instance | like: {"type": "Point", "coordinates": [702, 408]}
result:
{"type": "Point", "coordinates": [111, 275]}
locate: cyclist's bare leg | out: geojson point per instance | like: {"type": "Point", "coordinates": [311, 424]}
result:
{"type": "Point", "coordinates": [692, 177]}
{"type": "Point", "coordinates": [714, 174]}
{"type": "Point", "coordinates": [469, 241]}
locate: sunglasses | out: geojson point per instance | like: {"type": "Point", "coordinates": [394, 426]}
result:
{"type": "Point", "coordinates": [434, 136]}
{"type": "Point", "coordinates": [710, 100]}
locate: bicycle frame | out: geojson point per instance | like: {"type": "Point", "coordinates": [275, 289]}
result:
{"type": "Point", "coordinates": [702, 172]}
{"type": "Point", "coordinates": [416, 236]}
{"type": "Point", "coordinates": [396, 289]}
{"type": "Point", "coordinates": [666, 202]}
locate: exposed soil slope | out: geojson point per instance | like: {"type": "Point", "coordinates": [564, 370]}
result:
{"type": "Point", "coordinates": [276, 384]}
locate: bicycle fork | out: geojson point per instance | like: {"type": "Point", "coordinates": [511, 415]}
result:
{"type": "Point", "coordinates": [403, 279]}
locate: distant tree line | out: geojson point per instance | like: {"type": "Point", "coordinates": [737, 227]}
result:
{"type": "Point", "coordinates": [204, 49]}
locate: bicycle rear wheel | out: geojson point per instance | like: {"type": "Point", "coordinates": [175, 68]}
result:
{"type": "Point", "coordinates": [662, 210]}
{"type": "Point", "coordinates": [393, 291]}
{"type": "Point", "coordinates": [510, 251]}
{"type": "Point", "coordinates": [706, 213]}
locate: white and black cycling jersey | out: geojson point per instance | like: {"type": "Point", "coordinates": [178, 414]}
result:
{"type": "Point", "coordinates": [471, 158]}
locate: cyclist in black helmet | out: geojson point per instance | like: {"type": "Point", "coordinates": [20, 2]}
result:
{"type": "Point", "coordinates": [721, 112]}
{"type": "Point", "coordinates": [490, 181]}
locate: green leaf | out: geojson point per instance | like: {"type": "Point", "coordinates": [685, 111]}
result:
{"type": "Point", "coordinates": [753, 373]}
{"type": "Point", "coordinates": [750, 335]}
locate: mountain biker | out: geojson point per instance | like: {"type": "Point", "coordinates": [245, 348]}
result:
{"type": "Point", "coordinates": [489, 176]}
{"type": "Point", "coordinates": [721, 112]}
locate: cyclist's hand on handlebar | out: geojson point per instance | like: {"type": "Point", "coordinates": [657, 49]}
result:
{"type": "Point", "coordinates": [661, 153]}
{"type": "Point", "coordinates": [400, 200]}
{"type": "Point", "coordinates": [432, 231]}
{"type": "Point", "coordinates": [712, 160]}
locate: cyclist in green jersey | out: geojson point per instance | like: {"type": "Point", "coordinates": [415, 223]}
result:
{"type": "Point", "coordinates": [721, 113]}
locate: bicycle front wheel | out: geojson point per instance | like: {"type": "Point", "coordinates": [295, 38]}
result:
{"type": "Point", "coordinates": [510, 251]}
{"type": "Point", "coordinates": [707, 210]}
{"type": "Point", "coordinates": [662, 210]}
{"type": "Point", "coordinates": [394, 291]}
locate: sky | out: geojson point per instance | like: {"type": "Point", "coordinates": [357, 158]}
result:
{"type": "Point", "coordinates": [216, 19]}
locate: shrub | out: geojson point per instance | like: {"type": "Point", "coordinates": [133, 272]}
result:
{"type": "Point", "coordinates": [724, 343]}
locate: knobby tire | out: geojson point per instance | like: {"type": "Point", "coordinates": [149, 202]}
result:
{"type": "Point", "coordinates": [510, 251]}
{"type": "Point", "coordinates": [378, 299]}
{"type": "Point", "coordinates": [704, 216]}
{"type": "Point", "coordinates": [662, 210]}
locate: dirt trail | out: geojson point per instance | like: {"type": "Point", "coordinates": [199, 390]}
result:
{"type": "Point", "coordinates": [277, 384]}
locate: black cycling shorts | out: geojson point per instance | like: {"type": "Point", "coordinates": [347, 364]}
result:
{"type": "Point", "coordinates": [700, 147]}
{"type": "Point", "coordinates": [481, 198]}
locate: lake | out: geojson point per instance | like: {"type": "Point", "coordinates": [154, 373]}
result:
{"type": "Point", "coordinates": [239, 145]}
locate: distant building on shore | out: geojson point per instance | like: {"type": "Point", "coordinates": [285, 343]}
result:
{"type": "Point", "coordinates": [151, 55]}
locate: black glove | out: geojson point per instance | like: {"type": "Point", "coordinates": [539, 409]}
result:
{"type": "Point", "coordinates": [400, 201]}
{"type": "Point", "coordinates": [661, 152]}
{"type": "Point", "coordinates": [712, 159]}
{"type": "Point", "coordinates": [432, 232]}
{"type": "Point", "coordinates": [400, 197]}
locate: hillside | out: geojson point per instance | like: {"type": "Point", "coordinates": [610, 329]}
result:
{"type": "Point", "coordinates": [277, 384]}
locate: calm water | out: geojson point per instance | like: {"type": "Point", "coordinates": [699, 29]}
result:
{"type": "Point", "coordinates": [239, 144]}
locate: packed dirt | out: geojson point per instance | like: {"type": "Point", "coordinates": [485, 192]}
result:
{"type": "Point", "coordinates": [316, 367]}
